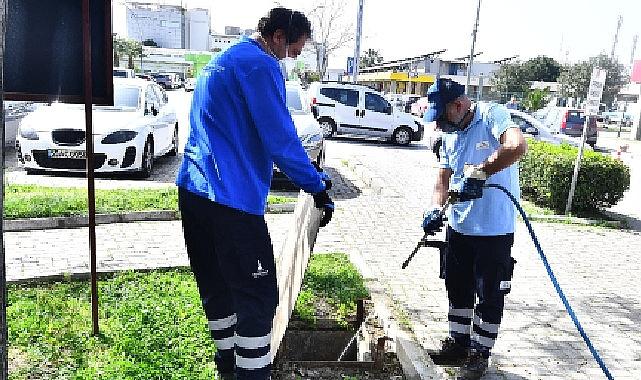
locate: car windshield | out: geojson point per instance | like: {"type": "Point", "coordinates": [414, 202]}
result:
{"type": "Point", "coordinates": [575, 117]}
{"type": "Point", "coordinates": [126, 97]}
{"type": "Point", "coordinates": [294, 102]}
{"type": "Point", "coordinates": [120, 74]}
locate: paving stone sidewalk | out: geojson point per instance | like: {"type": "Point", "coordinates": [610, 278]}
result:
{"type": "Point", "coordinates": [596, 267]}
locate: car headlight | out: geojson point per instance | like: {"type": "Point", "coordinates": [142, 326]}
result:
{"type": "Point", "coordinates": [311, 139]}
{"type": "Point", "coordinates": [119, 137]}
{"type": "Point", "coordinates": [28, 133]}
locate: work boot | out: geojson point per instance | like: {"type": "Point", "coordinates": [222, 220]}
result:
{"type": "Point", "coordinates": [475, 366]}
{"type": "Point", "coordinates": [451, 353]}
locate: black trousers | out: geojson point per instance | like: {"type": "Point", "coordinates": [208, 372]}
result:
{"type": "Point", "coordinates": [232, 258]}
{"type": "Point", "coordinates": [477, 267]}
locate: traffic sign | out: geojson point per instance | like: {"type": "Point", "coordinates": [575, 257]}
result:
{"type": "Point", "coordinates": [350, 65]}
{"type": "Point", "coordinates": [595, 91]}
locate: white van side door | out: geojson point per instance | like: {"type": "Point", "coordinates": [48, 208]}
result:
{"type": "Point", "coordinates": [377, 117]}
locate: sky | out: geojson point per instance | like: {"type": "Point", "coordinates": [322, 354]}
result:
{"type": "Point", "coordinates": [567, 30]}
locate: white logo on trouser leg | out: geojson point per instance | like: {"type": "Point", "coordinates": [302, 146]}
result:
{"type": "Point", "coordinates": [260, 271]}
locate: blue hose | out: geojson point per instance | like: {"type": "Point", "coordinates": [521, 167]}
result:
{"type": "Point", "coordinates": [569, 309]}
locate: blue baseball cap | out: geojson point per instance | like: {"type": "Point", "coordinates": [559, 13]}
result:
{"type": "Point", "coordinates": [439, 94]}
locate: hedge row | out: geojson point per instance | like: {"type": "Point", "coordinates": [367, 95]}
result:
{"type": "Point", "coordinates": [546, 174]}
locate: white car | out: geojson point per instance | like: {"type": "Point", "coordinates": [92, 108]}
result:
{"type": "Point", "coordinates": [127, 136]}
{"type": "Point", "coordinates": [307, 128]}
{"type": "Point", "coordinates": [190, 83]}
{"type": "Point", "coordinates": [360, 110]}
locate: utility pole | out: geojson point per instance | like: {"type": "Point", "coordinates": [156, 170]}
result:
{"type": "Point", "coordinates": [4, 361]}
{"type": "Point", "coordinates": [469, 67]}
{"type": "Point", "coordinates": [359, 32]}
{"type": "Point", "coordinates": [634, 49]}
{"type": "Point", "coordinates": [616, 36]}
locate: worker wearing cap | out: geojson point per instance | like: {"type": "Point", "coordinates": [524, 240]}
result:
{"type": "Point", "coordinates": [480, 145]}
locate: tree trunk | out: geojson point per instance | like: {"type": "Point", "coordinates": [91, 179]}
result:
{"type": "Point", "coordinates": [3, 276]}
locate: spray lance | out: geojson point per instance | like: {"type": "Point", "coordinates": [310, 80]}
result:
{"type": "Point", "coordinates": [453, 197]}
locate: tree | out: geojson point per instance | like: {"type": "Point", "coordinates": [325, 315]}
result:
{"type": "Point", "coordinates": [331, 30]}
{"type": "Point", "coordinates": [509, 80]}
{"type": "Point", "coordinates": [541, 68]}
{"type": "Point", "coordinates": [119, 49]}
{"type": "Point", "coordinates": [371, 57]}
{"type": "Point", "coordinates": [575, 79]}
{"type": "Point", "coordinates": [535, 99]}
{"type": "Point", "coordinates": [129, 48]}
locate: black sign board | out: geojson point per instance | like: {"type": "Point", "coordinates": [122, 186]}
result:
{"type": "Point", "coordinates": [44, 51]}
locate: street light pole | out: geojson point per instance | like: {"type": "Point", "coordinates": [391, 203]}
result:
{"type": "Point", "coordinates": [469, 67]}
{"type": "Point", "coordinates": [359, 31]}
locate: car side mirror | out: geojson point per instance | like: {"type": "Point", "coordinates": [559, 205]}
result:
{"type": "Point", "coordinates": [532, 131]}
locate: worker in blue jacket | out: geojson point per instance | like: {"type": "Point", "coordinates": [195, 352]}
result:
{"type": "Point", "coordinates": [240, 127]}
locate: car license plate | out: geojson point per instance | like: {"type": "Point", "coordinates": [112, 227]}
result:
{"type": "Point", "coordinates": [62, 153]}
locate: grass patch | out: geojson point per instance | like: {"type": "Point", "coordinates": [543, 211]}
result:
{"type": "Point", "coordinates": [330, 289]}
{"type": "Point", "coordinates": [30, 201]}
{"type": "Point", "coordinates": [152, 327]}
{"type": "Point", "coordinates": [596, 219]}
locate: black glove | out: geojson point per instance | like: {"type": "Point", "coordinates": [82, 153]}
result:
{"type": "Point", "coordinates": [472, 183]}
{"type": "Point", "coordinates": [323, 201]}
{"type": "Point", "coordinates": [433, 221]}
{"type": "Point", "coordinates": [324, 176]}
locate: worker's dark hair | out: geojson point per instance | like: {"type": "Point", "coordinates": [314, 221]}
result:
{"type": "Point", "coordinates": [293, 23]}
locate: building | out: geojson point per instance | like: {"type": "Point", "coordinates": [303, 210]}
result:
{"type": "Point", "coordinates": [198, 29]}
{"type": "Point", "coordinates": [163, 24]}
{"type": "Point", "coordinates": [414, 75]}
{"type": "Point", "coordinates": [233, 30]}
{"type": "Point", "coordinates": [220, 42]}
{"type": "Point", "coordinates": [161, 60]}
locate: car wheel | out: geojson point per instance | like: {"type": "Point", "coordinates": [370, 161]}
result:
{"type": "Point", "coordinates": [328, 126]}
{"type": "Point", "coordinates": [174, 143]}
{"type": "Point", "coordinates": [147, 159]}
{"type": "Point", "coordinates": [402, 136]}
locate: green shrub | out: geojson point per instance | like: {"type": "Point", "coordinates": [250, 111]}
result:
{"type": "Point", "coordinates": [546, 174]}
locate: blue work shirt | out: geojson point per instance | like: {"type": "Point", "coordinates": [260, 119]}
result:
{"type": "Point", "coordinates": [240, 127]}
{"type": "Point", "coordinates": [492, 214]}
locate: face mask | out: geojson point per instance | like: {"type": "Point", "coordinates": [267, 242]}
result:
{"type": "Point", "coordinates": [287, 60]}
{"type": "Point", "coordinates": [448, 127]}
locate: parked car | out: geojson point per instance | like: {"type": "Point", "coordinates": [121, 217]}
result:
{"type": "Point", "coordinates": [128, 136]}
{"type": "Point", "coordinates": [343, 108]}
{"type": "Point", "coordinates": [307, 128]}
{"type": "Point", "coordinates": [120, 72]}
{"type": "Point", "coordinates": [168, 81]}
{"type": "Point", "coordinates": [145, 77]}
{"type": "Point", "coordinates": [420, 106]}
{"type": "Point", "coordinates": [617, 117]}
{"type": "Point", "coordinates": [534, 128]}
{"type": "Point", "coordinates": [408, 101]}
{"type": "Point", "coordinates": [569, 121]}
{"type": "Point", "coordinates": [190, 83]}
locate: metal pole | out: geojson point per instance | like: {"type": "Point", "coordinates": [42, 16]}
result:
{"type": "Point", "coordinates": [359, 31]}
{"type": "Point", "coordinates": [469, 67]}
{"type": "Point", "coordinates": [91, 193]}
{"type": "Point", "coordinates": [4, 362]}
{"type": "Point", "coordinates": [577, 165]}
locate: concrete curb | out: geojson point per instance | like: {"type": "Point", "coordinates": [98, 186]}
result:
{"type": "Point", "coordinates": [416, 363]}
{"type": "Point", "coordinates": [16, 225]}
{"type": "Point", "coordinates": [575, 220]}
{"type": "Point", "coordinates": [78, 221]}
